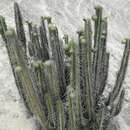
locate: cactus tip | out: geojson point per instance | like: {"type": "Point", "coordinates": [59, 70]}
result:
{"type": "Point", "coordinates": [48, 62]}
{"type": "Point", "coordinates": [124, 41]}
{"type": "Point", "coordinates": [94, 17]}
{"type": "Point", "coordinates": [37, 63]}
{"type": "Point", "coordinates": [98, 7]}
{"type": "Point", "coordinates": [18, 69]}
{"type": "Point", "coordinates": [10, 32]}
{"type": "Point", "coordinates": [104, 19]}
{"type": "Point", "coordinates": [52, 27]}
{"type": "Point", "coordinates": [80, 31]}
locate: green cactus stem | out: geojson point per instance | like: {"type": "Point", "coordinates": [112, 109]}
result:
{"type": "Point", "coordinates": [3, 27]}
{"type": "Point", "coordinates": [121, 72]}
{"type": "Point", "coordinates": [58, 56]}
{"type": "Point", "coordinates": [74, 82]}
{"type": "Point", "coordinates": [97, 43]}
{"type": "Point", "coordinates": [89, 91]}
{"type": "Point", "coordinates": [61, 115]}
{"type": "Point", "coordinates": [44, 41]}
{"type": "Point", "coordinates": [19, 25]}
{"type": "Point", "coordinates": [26, 79]}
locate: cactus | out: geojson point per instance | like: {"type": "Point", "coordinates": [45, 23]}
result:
{"type": "Point", "coordinates": [19, 25]}
{"type": "Point", "coordinates": [62, 81]}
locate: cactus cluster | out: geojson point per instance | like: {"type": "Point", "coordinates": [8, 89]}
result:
{"type": "Point", "coordinates": [62, 81]}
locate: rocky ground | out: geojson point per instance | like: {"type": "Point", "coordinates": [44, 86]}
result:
{"type": "Point", "coordinates": [67, 15]}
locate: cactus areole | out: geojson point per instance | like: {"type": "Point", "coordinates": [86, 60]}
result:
{"type": "Point", "coordinates": [62, 81]}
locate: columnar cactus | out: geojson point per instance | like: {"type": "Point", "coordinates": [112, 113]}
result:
{"type": "Point", "coordinates": [62, 82]}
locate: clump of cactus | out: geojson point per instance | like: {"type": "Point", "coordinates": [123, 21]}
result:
{"type": "Point", "coordinates": [62, 81]}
